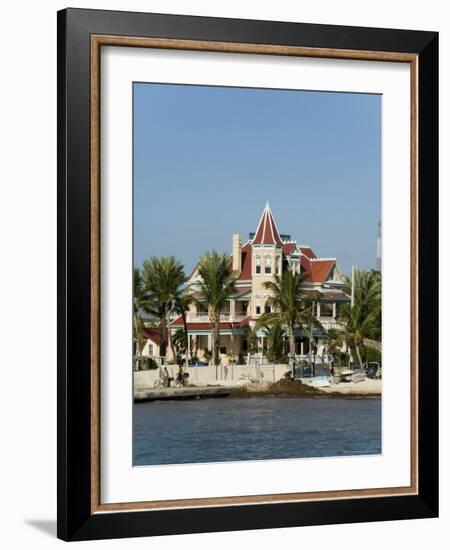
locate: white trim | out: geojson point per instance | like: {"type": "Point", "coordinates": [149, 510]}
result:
{"type": "Point", "coordinates": [264, 227]}
{"type": "Point", "coordinates": [257, 229]}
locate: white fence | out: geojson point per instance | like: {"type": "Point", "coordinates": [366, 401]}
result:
{"type": "Point", "coordinates": [223, 375]}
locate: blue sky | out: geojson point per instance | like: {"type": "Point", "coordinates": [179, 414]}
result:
{"type": "Point", "coordinates": [207, 159]}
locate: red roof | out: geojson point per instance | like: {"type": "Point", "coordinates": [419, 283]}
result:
{"type": "Point", "coordinates": [267, 232]}
{"type": "Point", "coordinates": [319, 270]}
{"type": "Point", "coordinates": [246, 271]}
{"type": "Point", "coordinates": [305, 263]}
{"type": "Point", "coordinates": [288, 248]}
{"type": "Point", "coordinates": [244, 323]}
{"type": "Point", "coordinates": [241, 290]}
{"type": "Point", "coordinates": [153, 334]}
{"type": "Point", "coordinates": [178, 321]}
{"type": "Point", "coordinates": [306, 250]}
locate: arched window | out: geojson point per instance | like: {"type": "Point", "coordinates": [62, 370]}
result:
{"type": "Point", "coordinates": [278, 265]}
{"type": "Point", "coordinates": [268, 265]}
{"type": "Point", "coordinates": [258, 265]}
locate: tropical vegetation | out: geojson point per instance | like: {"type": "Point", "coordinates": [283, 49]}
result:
{"type": "Point", "coordinates": [140, 303]}
{"type": "Point", "coordinates": [163, 280]}
{"type": "Point", "coordinates": [160, 290]}
{"type": "Point", "coordinates": [360, 323]}
{"type": "Point", "coordinates": [214, 289]}
{"type": "Point", "coordinates": [291, 306]}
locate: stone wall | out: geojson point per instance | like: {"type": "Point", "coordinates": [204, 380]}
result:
{"type": "Point", "coordinates": [221, 375]}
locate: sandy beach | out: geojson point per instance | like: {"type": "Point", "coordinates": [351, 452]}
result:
{"type": "Point", "coordinates": [365, 387]}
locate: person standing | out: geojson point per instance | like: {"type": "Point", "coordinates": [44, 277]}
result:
{"type": "Point", "coordinates": [170, 376]}
{"type": "Point", "coordinates": [180, 375]}
{"type": "Point", "coordinates": [165, 377]}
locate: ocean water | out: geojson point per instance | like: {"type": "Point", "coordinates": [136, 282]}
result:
{"type": "Point", "coordinates": [255, 428]}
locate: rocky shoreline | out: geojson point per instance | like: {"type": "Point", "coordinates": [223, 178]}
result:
{"type": "Point", "coordinates": [298, 389]}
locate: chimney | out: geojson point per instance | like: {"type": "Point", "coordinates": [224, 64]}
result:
{"type": "Point", "coordinates": [237, 253]}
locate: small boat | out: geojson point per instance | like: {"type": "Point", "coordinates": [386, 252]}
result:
{"type": "Point", "coordinates": [320, 382]}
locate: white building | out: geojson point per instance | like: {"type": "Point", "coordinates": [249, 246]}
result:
{"type": "Point", "coordinates": [265, 253]}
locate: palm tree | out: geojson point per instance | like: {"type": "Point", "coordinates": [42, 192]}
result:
{"type": "Point", "coordinates": [367, 287]}
{"type": "Point", "coordinates": [252, 340]}
{"type": "Point", "coordinates": [362, 322]}
{"type": "Point", "coordinates": [216, 286]}
{"type": "Point", "coordinates": [289, 304]}
{"type": "Point", "coordinates": [275, 341]}
{"type": "Point", "coordinates": [181, 306]}
{"type": "Point", "coordinates": [309, 325]}
{"type": "Point", "coordinates": [140, 302]}
{"type": "Point", "coordinates": [180, 344]}
{"type": "Point", "coordinates": [334, 343]}
{"type": "Point", "coordinates": [357, 327]}
{"type": "Point", "coordinates": [367, 294]}
{"type": "Point", "coordinates": [163, 279]}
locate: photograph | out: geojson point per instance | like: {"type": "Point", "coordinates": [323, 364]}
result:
{"type": "Point", "coordinates": [257, 274]}
{"type": "Point", "coordinates": [247, 273]}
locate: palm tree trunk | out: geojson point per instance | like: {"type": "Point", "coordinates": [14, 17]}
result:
{"type": "Point", "coordinates": [169, 337]}
{"type": "Point", "coordinates": [186, 335]}
{"type": "Point", "coordinates": [216, 339]}
{"type": "Point", "coordinates": [163, 343]}
{"type": "Point", "coordinates": [291, 341]}
{"type": "Point", "coordinates": [358, 353]}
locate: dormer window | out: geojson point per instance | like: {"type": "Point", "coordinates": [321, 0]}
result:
{"type": "Point", "coordinates": [268, 265]}
{"type": "Point", "coordinates": [258, 265]}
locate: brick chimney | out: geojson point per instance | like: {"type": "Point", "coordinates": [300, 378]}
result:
{"type": "Point", "coordinates": [237, 253]}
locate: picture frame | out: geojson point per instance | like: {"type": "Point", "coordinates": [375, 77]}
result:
{"type": "Point", "coordinates": [81, 35]}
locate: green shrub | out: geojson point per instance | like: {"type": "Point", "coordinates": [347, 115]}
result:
{"type": "Point", "coordinates": [150, 363]}
{"type": "Point", "coordinates": [372, 355]}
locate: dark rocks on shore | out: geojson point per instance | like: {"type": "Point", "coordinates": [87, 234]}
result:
{"type": "Point", "coordinates": [282, 387]}
{"type": "Point", "coordinates": [293, 388]}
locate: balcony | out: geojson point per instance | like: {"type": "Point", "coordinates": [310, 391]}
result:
{"type": "Point", "coordinates": [224, 317]}
{"type": "Point", "coordinates": [330, 323]}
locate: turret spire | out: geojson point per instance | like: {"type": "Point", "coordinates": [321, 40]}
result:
{"type": "Point", "coordinates": [267, 231]}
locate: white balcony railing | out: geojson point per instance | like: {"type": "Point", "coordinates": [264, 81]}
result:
{"type": "Point", "coordinates": [330, 323]}
{"type": "Point", "coordinates": [224, 317]}
{"type": "Point", "coordinates": [327, 322]}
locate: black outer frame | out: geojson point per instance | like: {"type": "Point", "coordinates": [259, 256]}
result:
{"type": "Point", "coordinates": [75, 521]}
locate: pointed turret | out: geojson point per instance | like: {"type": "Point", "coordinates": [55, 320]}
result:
{"type": "Point", "coordinates": [267, 231]}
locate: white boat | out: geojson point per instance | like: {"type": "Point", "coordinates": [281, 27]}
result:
{"type": "Point", "coordinates": [320, 382]}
